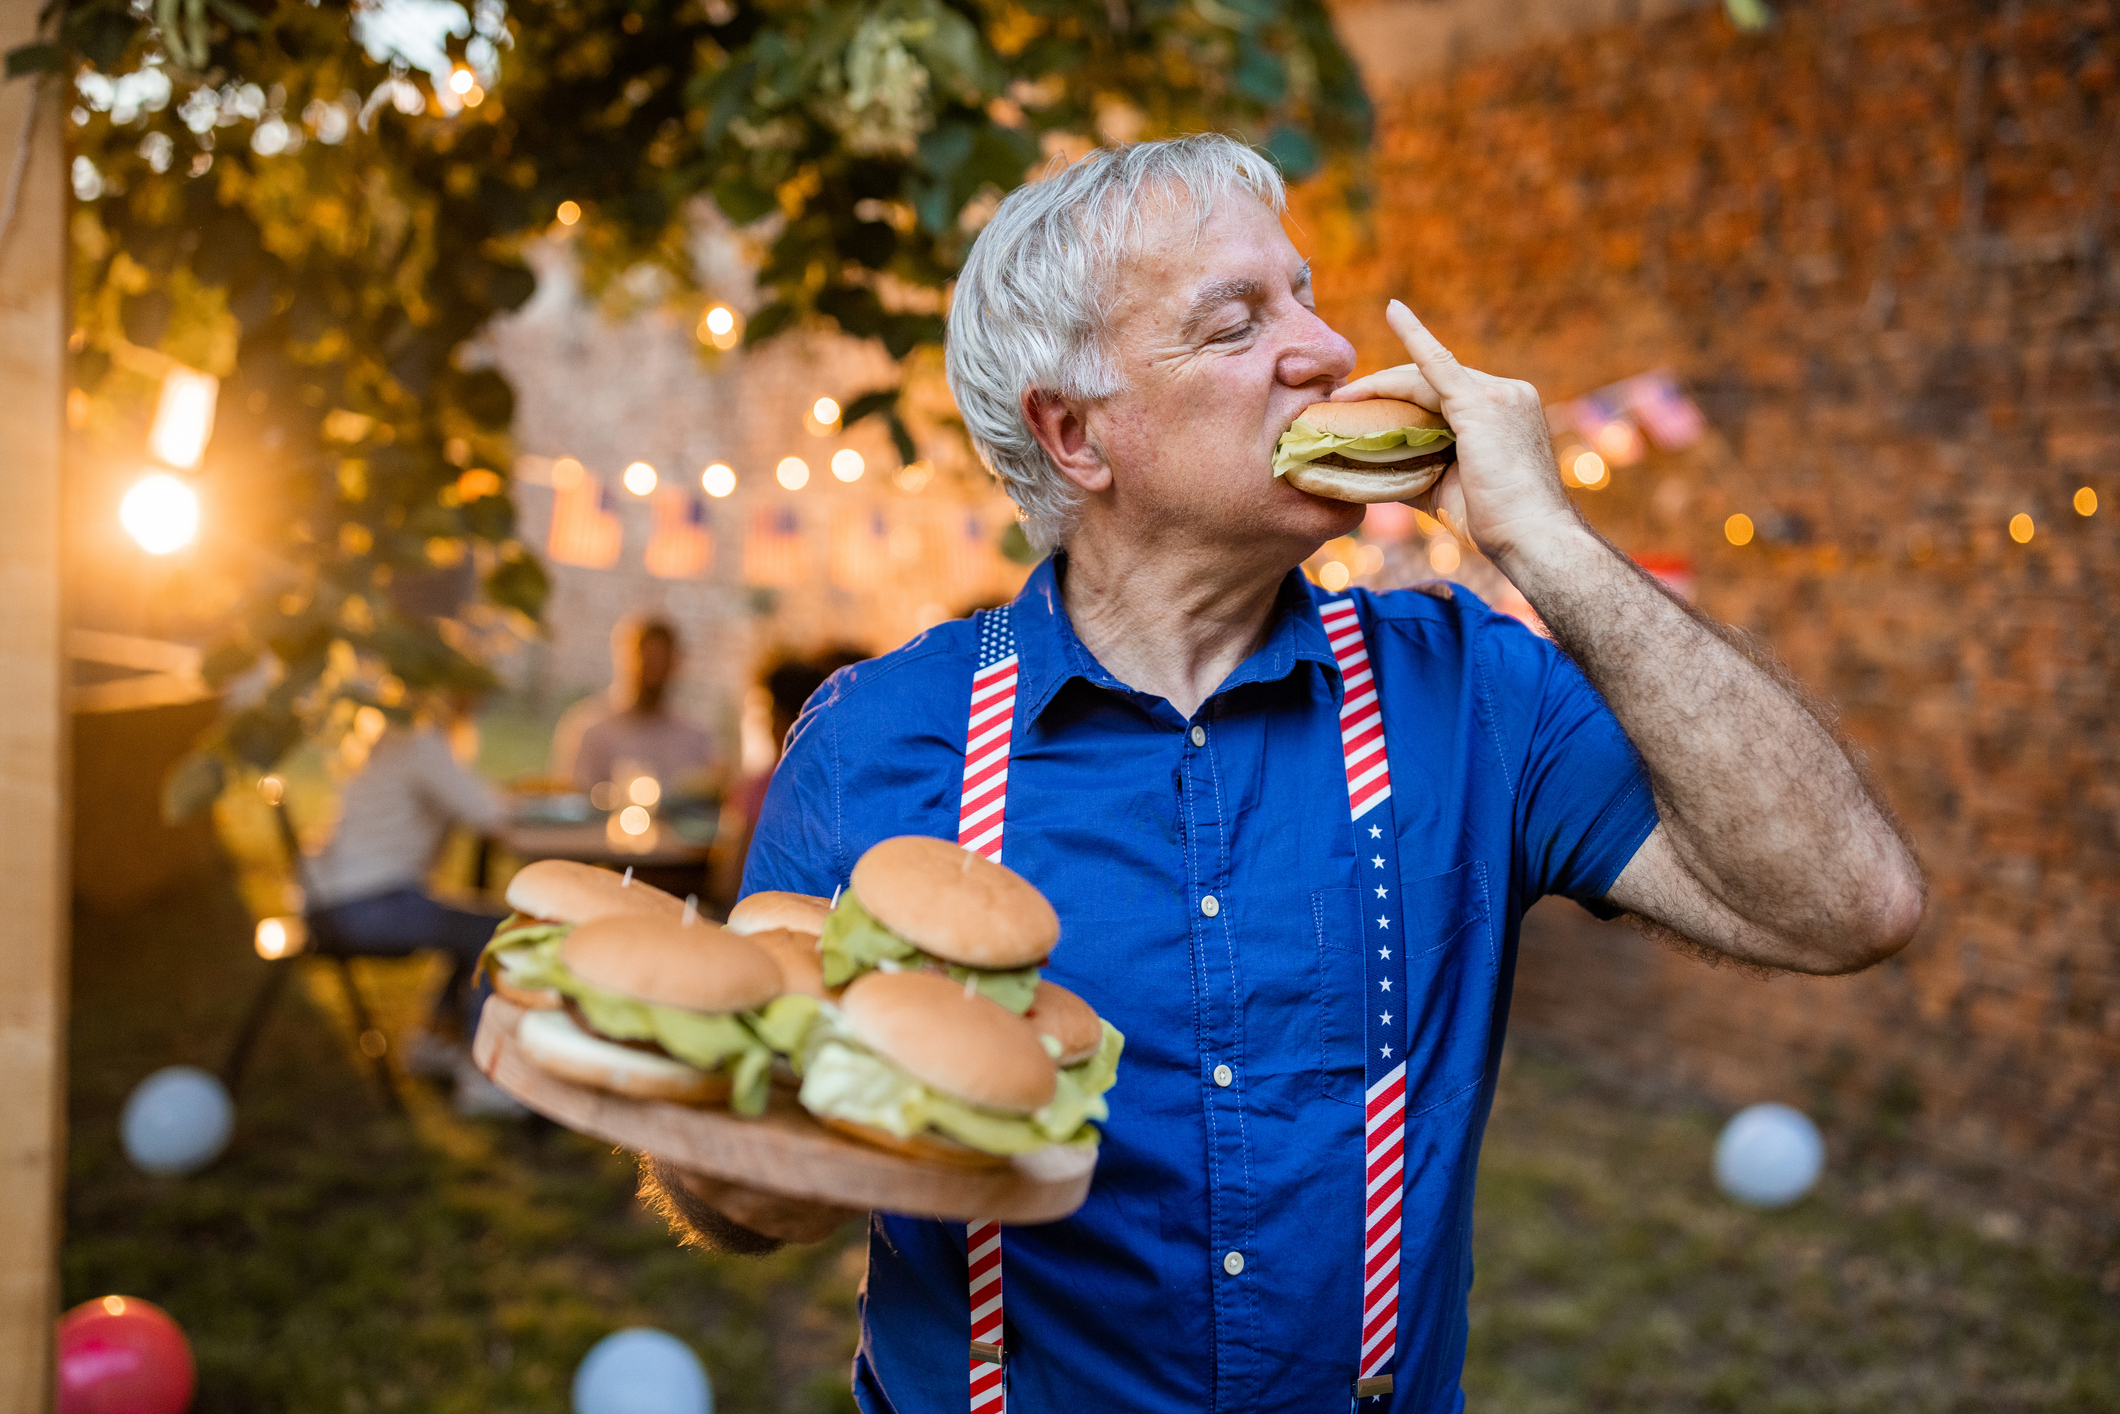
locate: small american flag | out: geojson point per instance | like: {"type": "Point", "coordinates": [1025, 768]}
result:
{"type": "Point", "coordinates": [682, 546]}
{"type": "Point", "coordinates": [774, 553]}
{"type": "Point", "coordinates": [585, 525]}
{"type": "Point", "coordinates": [1664, 411]}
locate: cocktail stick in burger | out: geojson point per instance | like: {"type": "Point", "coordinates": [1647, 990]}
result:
{"type": "Point", "coordinates": [549, 897]}
{"type": "Point", "coordinates": [660, 1009]}
{"type": "Point", "coordinates": [1083, 1045]}
{"type": "Point", "coordinates": [771, 908]}
{"type": "Point", "coordinates": [924, 1066]}
{"type": "Point", "coordinates": [916, 902]}
{"type": "Point", "coordinates": [1373, 449]}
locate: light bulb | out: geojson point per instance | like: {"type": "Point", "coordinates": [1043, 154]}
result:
{"type": "Point", "coordinates": [847, 464]}
{"type": "Point", "coordinates": [718, 480]}
{"type": "Point", "coordinates": [640, 478]}
{"type": "Point", "coordinates": [160, 512]}
{"type": "Point", "coordinates": [793, 473]}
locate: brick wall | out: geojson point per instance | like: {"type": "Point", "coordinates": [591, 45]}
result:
{"type": "Point", "coordinates": [1877, 243]}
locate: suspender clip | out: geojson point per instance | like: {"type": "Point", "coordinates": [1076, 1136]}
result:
{"type": "Point", "coordinates": [1373, 1387]}
{"type": "Point", "coordinates": [988, 1352]}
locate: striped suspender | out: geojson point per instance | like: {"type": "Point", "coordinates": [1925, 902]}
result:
{"type": "Point", "coordinates": [980, 817]}
{"type": "Point", "coordinates": [1384, 973]}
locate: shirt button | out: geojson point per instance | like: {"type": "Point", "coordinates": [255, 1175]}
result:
{"type": "Point", "coordinates": [1223, 1075]}
{"type": "Point", "coordinates": [1199, 735]}
{"type": "Point", "coordinates": [1233, 1263]}
{"type": "Point", "coordinates": [1210, 906]}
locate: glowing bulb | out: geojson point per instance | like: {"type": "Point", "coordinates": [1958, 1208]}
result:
{"type": "Point", "coordinates": [183, 417]}
{"type": "Point", "coordinates": [824, 412]}
{"type": "Point", "coordinates": [634, 820]}
{"type": "Point", "coordinates": [2086, 501]}
{"type": "Point", "coordinates": [718, 480]}
{"type": "Point", "coordinates": [2021, 528]}
{"type": "Point", "coordinates": [1443, 556]}
{"type": "Point", "coordinates": [1589, 469]}
{"type": "Point", "coordinates": [569, 213]}
{"type": "Point", "coordinates": [720, 321]}
{"type": "Point", "coordinates": [645, 790]}
{"type": "Point", "coordinates": [474, 98]}
{"type": "Point", "coordinates": [793, 473]}
{"type": "Point", "coordinates": [640, 478]}
{"type": "Point", "coordinates": [160, 512]}
{"type": "Point", "coordinates": [847, 464]}
{"type": "Point", "coordinates": [1738, 529]}
{"type": "Point", "coordinates": [1333, 575]}
{"type": "Point", "coordinates": [281, 937]}
{"type": "Point", "coordinates": [272, 788]}
{"type": "Point", "coordinates": [461, 81]}
{"type": "Point", "coordinates": [722, 327]}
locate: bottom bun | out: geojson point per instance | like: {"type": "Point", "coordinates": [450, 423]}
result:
{"type": "Point", "coordinates": [1368, 485]}
{"type": "Point", "coordinates": [529, 998]}
{"type": "Point", "coordinates": [556, 1044]}
{"type": "Point", "coordinates": [933, 1147]}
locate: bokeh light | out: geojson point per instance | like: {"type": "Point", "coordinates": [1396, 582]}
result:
{"type": "Point", "coordinates": [2086, 501]}
{"type": "Point", "coordinates": [1738, 529]}
{"type": "Point", "coordinates": [569, 213]}
{"type": "Point", "coordinates": [718, 480]}
{"type": "Point", "coordinates": [634, 820]}
{"type": "Point", "coordinates": [645, 790]}
{"type": "Point", "coordinates": [566, 474]}
{"type": "Point", "coordinates": [640, 478]}
{"type": "Point", "coordinates": [1443, 556]}
{"type": "Point", "coordinates": [847, 464]}
{"type": "Point", "coordinates": [1333, 575]}
{"type": "Point", "coordinates": [462, 82]}
{"type": "Point", "coordinates": [183, 418]}
{"type": "Point", "coordinates": [2021, 528]}
{"type": "Point", "coordinates": [1588, 470]}
{"type": "Point", "coordinates": [722, 327]}
{"type": "Point", "coordinates": [793, 473]}
{"type": "Point", "coordinates": [824, 416]}
{"type": "Point", "coordinates": [160, 512]}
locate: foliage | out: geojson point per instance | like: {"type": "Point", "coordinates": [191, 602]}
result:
{"type": "Point", "coordinates": [327, 231]}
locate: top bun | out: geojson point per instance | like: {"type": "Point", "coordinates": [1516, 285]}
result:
{"type": "Point", "coordinates": [805, 913]}
{"type": "Point", "coordinates": [963, 1045]}
{"type": "Point", "coordinates": [1368, 416]}
{"type": "Point", "coordinates": [953, 903]}
{"type": "Point", "coordinates": [699, 966]}
{"type": "Point", "coordinates": [795, 953]}
{"type": "Point", "coordinates": [1060, 1014]}
{"type": "Point", "coordinates": [562, 891]}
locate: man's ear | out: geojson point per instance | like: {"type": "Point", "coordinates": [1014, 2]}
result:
{"type": "Point", "coordinates": [1061, 431]}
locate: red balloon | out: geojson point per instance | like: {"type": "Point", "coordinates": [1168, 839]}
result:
{"type": "Point", "coordinates": [122, 1355]}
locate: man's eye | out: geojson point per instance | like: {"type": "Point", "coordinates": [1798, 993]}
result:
{"type": "Point", "coordinates": [1232, 334]}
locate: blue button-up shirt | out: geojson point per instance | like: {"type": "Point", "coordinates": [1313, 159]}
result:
{"type": "Point", "coordinates": [1510, 780]}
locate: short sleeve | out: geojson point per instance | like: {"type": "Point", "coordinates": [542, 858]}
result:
{"type": "Point", "coordinates": [796, 846]}
{"type": "Point", "coordinates": [1583, 803]}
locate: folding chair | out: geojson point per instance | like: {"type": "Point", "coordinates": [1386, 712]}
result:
{"type": "Point", "coordinates": [322, 942]}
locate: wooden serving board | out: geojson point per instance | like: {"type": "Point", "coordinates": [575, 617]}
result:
{"type": "Point", "coordinates": [785, 1151]}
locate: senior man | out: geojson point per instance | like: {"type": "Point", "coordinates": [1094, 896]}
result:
{"type": "Point", "coordinates": [1312, 970]}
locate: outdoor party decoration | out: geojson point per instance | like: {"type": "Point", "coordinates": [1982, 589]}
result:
{"type": "Point", "coordinates": [122, 1355]}
{"type": "Point", "coordinates": [1614, 419]}
{"type": "Point", "coordinates": [177, 1120]}
{"type": "Point", "coordinates": [1768, 1156]}
{"type": "Point", "coordinates": [641, 1370]}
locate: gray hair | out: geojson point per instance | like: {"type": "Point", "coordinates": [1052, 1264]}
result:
{"type": "Point", "coordinates": [1034, 305]}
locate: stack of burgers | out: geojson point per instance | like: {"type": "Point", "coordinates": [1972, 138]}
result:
{"type": "Point", "coordinates": [910, 1012]}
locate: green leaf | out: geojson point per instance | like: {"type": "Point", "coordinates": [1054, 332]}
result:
{"type": "Point", "coordinates": [262, 735]}
{"type": "Point", "coordinates": [908, 452]}
{"type": "Point", "coordinates": [485, 396]}
{"type": "Point", "coordinates": [868, 405]}
{"type": "Point", "coordinates": [768, 322]}
{"type": "Point", "coordinates": [742, 202]}
{"type": "Point", "coordinates": [1259, 74]}
{"type": "Point", "coordinates": [1292, 151]}
{"type": "Point", "coordinates": [101, 35]}
{"type": "Point", "coordinates": [35, 59]}
{"type": "Point", "coordinates": [519, 584]}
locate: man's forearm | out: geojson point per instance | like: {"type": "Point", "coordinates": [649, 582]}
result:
{"type": "Point", "coordinates": [1800, 866]}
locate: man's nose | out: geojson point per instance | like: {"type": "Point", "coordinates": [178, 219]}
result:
{"type": "Point", "coordinates": [1316, 351]}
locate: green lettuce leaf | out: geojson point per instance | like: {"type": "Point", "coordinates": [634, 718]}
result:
{"type": "Point", "coordinates": [1013, 990]}
{"type": "Point", "coordinates": [1304, 442]}
{"type": "Point", "coordinates": [1078, 1095]}
{"type": "Point", "coordinates": [844, 1080]}
{"type": "Point", "coordinates": [529, 952]}
{"type": "Point", "coordinates": [854, 943]}
{"type": "Point", "coordinates": [693, 1037]}
{"type": "Point", "coordinates": [784, 1023]}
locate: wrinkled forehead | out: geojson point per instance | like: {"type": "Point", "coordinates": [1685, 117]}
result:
{"type": "Point", "coordinates": [1180, 245]}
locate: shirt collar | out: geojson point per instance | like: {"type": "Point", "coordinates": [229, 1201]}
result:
{"type": "Point", "coordinates": [1049, 655]}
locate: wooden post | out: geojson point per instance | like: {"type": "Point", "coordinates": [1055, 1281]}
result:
{"type": "Point", "coordinates": [33, 741]}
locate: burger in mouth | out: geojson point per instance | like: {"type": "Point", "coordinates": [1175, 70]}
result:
{"type": "Point", "coordinates": [917, 903]}
{"type": "Point", "coordinates": [656, 1008]}
{"type": "Point", "coordinates": [549, 898]}
{"type": "Point", "coordinates": [929, 1068]}
{"type": "Point", "coordinates": [1374, 449]}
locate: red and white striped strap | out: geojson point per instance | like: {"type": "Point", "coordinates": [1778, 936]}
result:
{"type": "Point", "coordinates": [981, 815]}
{"type": "Point", "coordinates": [1383, 972]}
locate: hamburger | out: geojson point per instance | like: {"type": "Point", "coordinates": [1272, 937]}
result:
{"type": "Point", "coordinates": [655, 1008]}
{"type": "Point", "coordinates": [804, 913]}
{"type": "Point", "coordinates": [1084, 1046]}
{"type": "Point", "coordinates": [796, 955]}
{"type": "Point", "coordinates": [548, 899]}
{"type": "Point", "coordinates": [929, 1068]}
{"type": "Point", "coordinates": [919, 903]}
{"type": "Point", "coordinates": [1373, 449]}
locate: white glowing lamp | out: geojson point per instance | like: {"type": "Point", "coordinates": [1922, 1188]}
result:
{"type": "Point", "coordinates": [160, 512]}
{"type": "Point", "coordinates": [281, 937]}
{"type": "Point", "coordinates": [183, 417]}
{"type": "Point", "coordinates": [847, 464]}
{"type": "Point", "coordinates": [640, 478]}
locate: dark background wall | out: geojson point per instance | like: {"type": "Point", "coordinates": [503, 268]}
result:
{"type": "Point", "coordinates": [1877, 244]}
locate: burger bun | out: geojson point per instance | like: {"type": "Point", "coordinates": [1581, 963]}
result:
{"type": "Point", "coordinates": [960, 1044]}
{"type": "Point", "coordinates": [563, 891]}
{"type": "Point", "coordinates": [1060, 1014]}
{"type": "Point", "coordinates": [556, 1045]}
{"type": "Point", "coordinates": [1384, 481]}
{"type": "Point", "coordinates": [795, 954]}
{"type": "Point", "coordinates": [699, 966]}
{"type": "Point", "coordinates": [805, 913]}
{"type": "Point", "coordinates": [957, 905]}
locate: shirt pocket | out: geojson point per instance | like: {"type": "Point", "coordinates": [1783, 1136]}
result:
{"type": "Point", "coordinates": [1451, 971]}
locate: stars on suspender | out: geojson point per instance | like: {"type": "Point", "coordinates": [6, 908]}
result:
{"type": "Point", "coordinates": [1377, 863]}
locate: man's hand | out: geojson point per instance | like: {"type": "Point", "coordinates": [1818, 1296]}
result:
{"type": "Point", "coordinates": [1504, 488]}
{"type": "Point", "coordinates": [729, 1217]}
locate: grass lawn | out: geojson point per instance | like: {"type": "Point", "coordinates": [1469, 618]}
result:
{"type": "Point", "coordinates": [342, 1258]}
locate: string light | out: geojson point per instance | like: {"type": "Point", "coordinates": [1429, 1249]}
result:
{"type": "Point", "coordinates": [461, 82]}
{"type": "Point", "coordinates": [793, 473]}
{"type": "Point", "coordinates": [1333, 576]}
{"type": "Point", "coordinates": [569, 213]}
{"type": "Point", "coordinates": [847, 464]}
{"type": "Point", "coordinates": [640, 478]}
{"type": "Point", "coordinates": [718, 480]}
{"type": "Point", "coordinates": [160, 512]}
{"type": "Point", "coordinates": [1738, 529]}
{"type": "Point", "coordinates": [1443, 556]}
{"type": "Point", "coordinates": [2086, 501]}
{"type": "Point", "coordinates": [1588, 469]}
{"type": "Point", "coordinates": [825, 412]}
{"type": "Point", "coordinates": [566, 474]}
{"type": "Point", "coordinates": [634, 820]}
{"type": "Point", "coordinates": [721, 327]}
{"type": "Point", "coordinates": [2021, 529]}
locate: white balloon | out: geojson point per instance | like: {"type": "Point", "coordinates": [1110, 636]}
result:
{"type": "Point", "coordinates": [177, 1120]}
{"type": "Point", "coordinates": [641, 1370]}
{"type": "Point", "coordinates": [1768, 1156]}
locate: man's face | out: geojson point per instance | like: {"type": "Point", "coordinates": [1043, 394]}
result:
{"type": "Point", "coordinates": [1220, 346]}
{"type": "Point", "coordinates": [655, 661]}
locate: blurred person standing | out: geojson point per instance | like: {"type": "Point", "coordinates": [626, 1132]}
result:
{"type": "Point", "coordinates": [630, 729]}
{"type": "Point", "coordinates": [370, 883]}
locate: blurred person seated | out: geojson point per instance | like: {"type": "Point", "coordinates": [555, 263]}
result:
{"type": "Point", "coordinates": [629, 732]}
{"type": "Point", "coordinates": [370, 882]}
